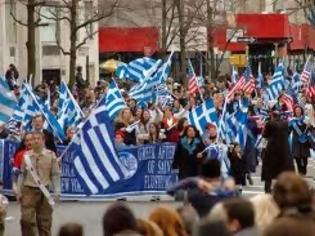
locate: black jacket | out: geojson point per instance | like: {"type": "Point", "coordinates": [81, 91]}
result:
{"type": "Point", "coordinates": [277, 157]}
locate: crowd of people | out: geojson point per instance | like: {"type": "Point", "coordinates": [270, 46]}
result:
{"type": "Point", "coordinates": [211, 193]}
{"type": "Point", "coordinates": [289, 210]}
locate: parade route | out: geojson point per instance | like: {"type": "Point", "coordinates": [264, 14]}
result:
{"type": "Point", "coordinates": [89, 214]}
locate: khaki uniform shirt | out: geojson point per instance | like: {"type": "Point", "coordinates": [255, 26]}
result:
{"type": "Point", "coordinates": [46, 165]}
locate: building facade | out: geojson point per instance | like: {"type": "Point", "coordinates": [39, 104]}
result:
{"type": "Point", "coordinates": [51, 63]}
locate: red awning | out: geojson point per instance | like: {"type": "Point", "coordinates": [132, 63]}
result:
{"type": "Point", "coordinates": [262, 26]}
{"type": "Point", "coordinates": [298, 41]}
{"type": "Point", "coordinates": [311, 37]}
{"type": "Point", "coordinates": [114, 39]}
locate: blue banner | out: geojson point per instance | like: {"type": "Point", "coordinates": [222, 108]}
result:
{"type": "Point", "coordinates": [149, 171]}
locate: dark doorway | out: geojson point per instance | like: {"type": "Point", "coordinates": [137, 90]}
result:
{"type": "Point", "coordinates": [52, 75]}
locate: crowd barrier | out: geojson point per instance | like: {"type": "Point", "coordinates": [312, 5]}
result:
{"type": "Point", "coordinates": [149, 171]}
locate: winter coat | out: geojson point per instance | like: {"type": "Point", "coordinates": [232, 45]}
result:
{"type": "Point", "coordinates": [276, 157]}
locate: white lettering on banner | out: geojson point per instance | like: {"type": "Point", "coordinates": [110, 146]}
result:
{"type": "Point", "coordinates": [166, 152]}
{"type": "Point", "coordinates": [151, 167]}
{"type": "Point", "coordinates": [71, 185]}
{"type": "Point", "coordinates": [146, 153]}
{"type": "Point", "coordinates": [157, 182]}
{"type": "Point", "coordinates": [164, 167]}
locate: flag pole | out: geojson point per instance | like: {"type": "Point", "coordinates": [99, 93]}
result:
{"type": "Point", "coordinates": [80, 128]}
{"type": "Point", "coordinates": [74, 101]}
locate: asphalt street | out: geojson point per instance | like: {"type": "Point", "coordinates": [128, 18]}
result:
{"type": "Point", "coordinates": [89, 214]}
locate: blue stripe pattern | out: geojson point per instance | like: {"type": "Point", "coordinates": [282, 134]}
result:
{"type": "Point", "coordinates": [114, 100]}
{"type": "Point", "coordinates": [96, 163]}
{"type": "Point", "coordinates": [134, 71]}
{"type": "Point", "coordinates": [202, 115]}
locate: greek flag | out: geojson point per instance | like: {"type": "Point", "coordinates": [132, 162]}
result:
{"type": "Point", "coordinates": [277, 84]}
{"type": "Point", "coordinates": [260, 78]}
{"type": "Point", "coordinates": [234, 125]}
{"type": "Point", "coordinates": [135, 69]}
{"type": "Point", "coordinates": [235, 75]}
{"type": "Point", "coordinates": [164, 97]}
{"type": "Point", "coordinates": [145, 92]}
{"type": "Point", "coordinates": [8, 103]}
{"type": "Point", "coordinates": [30, 105]}
{"type": "Point", "coordinates": [96, 162]}
{"type": "Point", "coordinates": [69, 112]}
{"type": "Point", "coordinates": [3, 82]}
{"type": "Point", "coordinates": [202, 115]}
{"type": "Point", "coordinates": [114, 101]}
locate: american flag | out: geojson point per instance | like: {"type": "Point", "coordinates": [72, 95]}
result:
{"type": "Point", "coordinates": [246, 83]}
{"type": "Point", "coordinates": [306, 74]}
{"type": "Point", "coordinates": [192, 82]}
{"type": "Point", "coordinates": [287, 100]}
{"type": "Point", "coordinates": [310, 91]}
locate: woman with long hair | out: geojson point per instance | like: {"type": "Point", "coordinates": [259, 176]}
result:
{"type": "Point", "coordinates": [300, 147]}
{"type": "Point", "coordinates": [125, 123]}
{"type": "Point", "coordinates": [142, 129]}
{"type": "Point", "coordinates": [188, 156]}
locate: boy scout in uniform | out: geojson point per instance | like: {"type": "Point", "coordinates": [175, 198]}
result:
{"type": "Point", "coordinates": [39, 170]}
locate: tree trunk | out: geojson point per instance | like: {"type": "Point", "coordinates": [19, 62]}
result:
{"type": "Point", "coordinates": [182, 37]}
{"type": "Point", "coordinates": [30, 44]}
{"type": "Point", "coordinates": [164, 36]}
{"type": "Point", "coordinates": [211, 55]}
{"type": "Point", "coordinates": [73, 43]}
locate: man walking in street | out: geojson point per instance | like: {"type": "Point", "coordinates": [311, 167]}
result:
{"type": "Point", "coordinates": [276, 158]}
{"type": "Point", "coordinates": [39, 170]}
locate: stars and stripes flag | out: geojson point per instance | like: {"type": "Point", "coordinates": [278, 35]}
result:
{"type": "Point", "coordinates": [246, 83]}
{"type": "Point", "coordinates": [192, 79]}
{"type": "Point", "coordinates": [287, 100]}
{"type": "Point", "coordinates": [306, 73]}
{"type": "Point", "coordinates": [96, 162]}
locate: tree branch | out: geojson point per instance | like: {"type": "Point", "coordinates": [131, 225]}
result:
{"type": "Point", "coordinates": [85, 39]}
{"type": "Point", "coordinates": [17, 20]}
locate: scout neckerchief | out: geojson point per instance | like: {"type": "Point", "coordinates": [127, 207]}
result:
{"type": "Point", "coordinates": [37, 180]}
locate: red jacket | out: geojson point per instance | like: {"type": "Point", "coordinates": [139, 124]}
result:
{"type": "Point", "coordinates": [18, 157]}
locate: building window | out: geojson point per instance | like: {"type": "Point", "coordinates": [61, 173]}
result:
{"type": "Point", "coordinates": [50, 32]}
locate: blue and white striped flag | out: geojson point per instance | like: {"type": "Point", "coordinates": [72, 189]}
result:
{"type": "Point", "coordinates": [31, 106]}
{"type": "Point", "coordinates": [202, 115]}
{"type": "Point", "coordinates": [277, 84]}
{"type": "Point", "coordinates": [135, 70]}
{"type": "Point", "coordinates": [234, 125]}
{"type": "Point", "coordinates": [114, 101]}
{"type": "Point", "coordinates": [69, 112]}
{"type": "Point", "coordinates": [260, 77]}
{"type": "Point", "coordinates": [145, 92]}
{"type": "Point", "coordinates": [164, 97]}
{"type": "Point", "coordinates": [235, 75]}
{"type": "Point", "coordinates": [96, 162]}
{"type": "Point", "coordinates": [8, 103]}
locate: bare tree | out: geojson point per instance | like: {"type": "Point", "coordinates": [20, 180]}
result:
{"type": "Point", "coordinates": [308, 7]}
{"type": "Point", "coordinates": [33, 21]}
{"type": "Point", "coordinates": [68, 12]}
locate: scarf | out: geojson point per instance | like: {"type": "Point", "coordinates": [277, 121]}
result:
{"type": "Point", "coordinates": [190, 147]}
